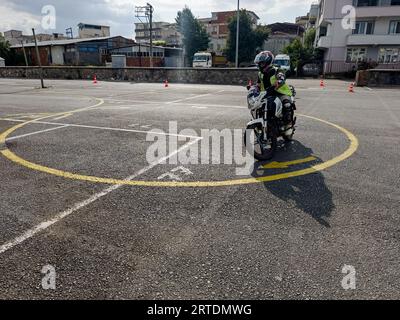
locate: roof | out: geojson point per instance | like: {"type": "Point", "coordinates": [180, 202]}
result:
{"type": "Point", "coordinates": [285, 27]}
{"type": "Point", "coordinates": [88, 25]}
{"type": "Point", "coordinates": [147, 45]}
{"type": "Point", "coordinates": [235, 11]}
{"type": "Point", "coordinates": [62, 42]}
{"type": "Point", "coordinates": [2, 59]}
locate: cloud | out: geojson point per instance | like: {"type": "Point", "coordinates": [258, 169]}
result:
{"type": "Point", "coordinates": [11, 18]}
{"type": "Point", "coordinates": [120, 14]}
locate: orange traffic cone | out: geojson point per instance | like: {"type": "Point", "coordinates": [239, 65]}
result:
{"type": "Point", "coordinates": [322, 84]}
{"type": "Point", "coordinates": [166, 84]}
{"type": "Point", "coordinates": [351, 87]}
{"type": "Point", "coordinates": [94, 79]}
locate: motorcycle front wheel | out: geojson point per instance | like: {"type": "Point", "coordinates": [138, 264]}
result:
{"type": "Point", "coordinates": [260, 149]}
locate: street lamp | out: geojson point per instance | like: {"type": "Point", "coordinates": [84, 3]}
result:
{"type": "Point", "coordinates": [237, 35]}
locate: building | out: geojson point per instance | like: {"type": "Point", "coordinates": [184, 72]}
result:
{"type": "Point", "coordinates": [15, 37]}
{"type": "Point", "coordinates": [281, 35]}
{"type": "Point", "coordinates": [375, 35]}
{"type": "Point", "coordinates": [93, 31]}
{"type": "Point", "coordinates": [138, 55]}
{"type": "Point", "coordinates": [94, 51]}
{"type": "Point", "coordinates": [162, 32]}
{"type": "Point", "coordinates": [171, 36]}
{"type": "Point", "coordinates": [217, 28]}
{"type": "Point", "coordinates": [308, 21]}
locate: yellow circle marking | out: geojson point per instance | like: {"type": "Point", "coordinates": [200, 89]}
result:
{"type": "Point", "coordinates": [195, 184]}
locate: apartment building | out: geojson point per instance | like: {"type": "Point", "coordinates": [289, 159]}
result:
{"type": "Point", "coordinates": [217, 28]}
{"type": "Point", "coordinates": [162, 31]}
{"type": "Point", "coordinates": [375, 36]}
{"type": "Point", "coordinates": [308, 21]}
{"type": "Point", "coordinates": [93, 31]}
{"type": "Point", "coordinates": [282, 34]}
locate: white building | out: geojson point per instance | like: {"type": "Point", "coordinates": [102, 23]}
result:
{"type": "Point", "coordinates": [375, 37]}
{"type": "Point", "coordinates": [162, 31]}
{"type": "Point", "coordinates": [2, 62]}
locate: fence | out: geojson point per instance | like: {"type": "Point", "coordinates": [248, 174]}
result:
{"type": "Point", "coordinates": [337, 67]}
{"type": "Point", "coordinates": [389, 66]}
{"type": "Point", "coordinates": [331, 67]}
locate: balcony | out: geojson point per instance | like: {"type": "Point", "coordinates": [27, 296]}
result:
{"type": "Point", "coordinates": [324, 42]}
{"type": "Point", "coordinates": [373, 40]}
{"type": "Point", "coordinates": [379, 11]}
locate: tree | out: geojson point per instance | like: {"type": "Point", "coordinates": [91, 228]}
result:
{"type": "Point", "coordinates": [250, 39]}
{"type": "Point", "coordinates": [4, 47]}
{"type": "Point", "coordinates": [309, 38]}
{"type": "Point", "coordinates": [300, 53]}
{"type": "Point", "coordinates": [195, 37]}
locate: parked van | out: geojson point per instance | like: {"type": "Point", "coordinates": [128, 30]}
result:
{"type": "Point", "coordinates": [283, 61]}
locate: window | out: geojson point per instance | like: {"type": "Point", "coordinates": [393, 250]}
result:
{"type": "Point", "coordinates": [364, 27]}
{"type": "Point", "coordinates": [388, 55]}
{"type": "Point", "coordinates": [356, 54]}
{"type": "Point", "coordinates": [394, 27]}
{"type": "Point", "coordinates": [367, 3]}
{"type": "Point", "coordinates": [323, 31]}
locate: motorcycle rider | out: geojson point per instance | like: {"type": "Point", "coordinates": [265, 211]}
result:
{"type": "Point", "coordinates": [272, 80]}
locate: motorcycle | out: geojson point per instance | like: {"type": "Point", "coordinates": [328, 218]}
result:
{"type": "Point", "coordinates": [268, 125]}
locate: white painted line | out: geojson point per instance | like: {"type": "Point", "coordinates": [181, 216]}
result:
{"type": "Point", "coordinates": [36, 132]}
{"type": "Point", "coordinates": [63, 116]}
{"type": "Point", "coordinates": [146, 126]}
{"type": "Point", "coordinates": [103, 128]}
{"type": "Point", "coordinates": [160, 104]}
{"type": "Point", "coordinates": [190, 98]}
{"type": "Point", "coordinates": [46, 224]}
{"type": "Point", "coordinates": [135, 101]}
{"type": "Point", "coordinates": [114, 108]}
{"type": "Point", "coordinates": [198, 107]}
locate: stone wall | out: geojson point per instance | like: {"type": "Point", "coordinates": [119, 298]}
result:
{"type": "Point", "coordinates": [174, 75]}
{"type": "Point", "coordinates": [378, 78]}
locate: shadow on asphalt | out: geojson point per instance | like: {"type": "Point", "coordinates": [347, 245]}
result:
{"type": "Point", "coordinates": [309, 193]}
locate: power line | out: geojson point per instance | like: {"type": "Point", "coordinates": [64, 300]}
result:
{"type": "Point", "coordinates": [146, 12]}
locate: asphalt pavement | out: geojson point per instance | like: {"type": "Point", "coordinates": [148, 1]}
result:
{"type": "Point", "coordinates": [78, 193]}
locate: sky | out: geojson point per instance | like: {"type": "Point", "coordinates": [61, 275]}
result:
{"type": "Point", "coordinates": [119, 14]}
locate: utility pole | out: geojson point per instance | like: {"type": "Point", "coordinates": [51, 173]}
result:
{"type": "Point", "coordinates": [151, 10]}
{"type": "Point", "coordinates": [69, 33]}
{"type": "Point", "coordinates": [146, 12]}
{"type": "Point", "coordinates": [237, 35]}
{"type": "Point", "coordinates": [38, 59]}
{"type": "Point", "coordinates": [23, 49]}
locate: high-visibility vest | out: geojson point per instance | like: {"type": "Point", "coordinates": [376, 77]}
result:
{"type": "Point", "coordinates": [284, 89]}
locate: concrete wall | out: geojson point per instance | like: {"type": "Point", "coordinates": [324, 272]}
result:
{"type": "Point", "coordinates": [177, 75]}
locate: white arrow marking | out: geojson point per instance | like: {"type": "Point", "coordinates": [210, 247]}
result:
{"type": "Point", "coordinates": [184, 170]}
{"type": "Point", "coordinates": [170, 176]}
